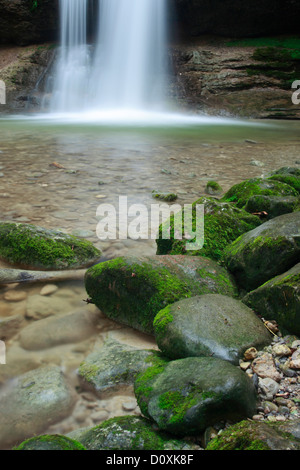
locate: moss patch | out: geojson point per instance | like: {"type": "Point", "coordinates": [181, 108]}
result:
{"type": "Point", "coordinates": [50, 442]}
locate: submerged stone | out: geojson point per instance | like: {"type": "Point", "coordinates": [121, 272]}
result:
{"type": "Point", "coordinates": [133, 290]}
{"type": "Point", "coordinates": [50, 442]}
{"type": "Point", "coordinates": [279, 299]}
{"type": "Point", "coordinates": [265, 252]}
{"type": "Point", "coordinates": [241, 192]}
{"type": "Point", "coordinates": [185, 396]}
{"type": "Point", "coordinates": [209, 325]}
{"type": "Point", "coordinates": [111, 367]}
{"type": "Point", "coordinates": [30, 246]}
{"type": "Point", "coordinates": [223, 223]}
{"type": "Point", "coordinates": [128, 433]}
{"type": "Point", "coordinates": [34, 401]}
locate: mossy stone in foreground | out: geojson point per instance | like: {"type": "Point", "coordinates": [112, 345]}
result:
{"type": "Point", "coordinates": [288, 175]}
{"type": "Point", "coordinates": [209, 325]}
{"type": "Point", "coordinates": [133, 290]}
{"type": "Point", "coordinates": [223, 223]}
{"type": "Point", "coordinates": [251, 435]}
{"type": "Point", "coordinates": [30, 246]}
{"type": "Point", "coordinates": [128, 433]}
{"type": "Point", "coordinates": [272, 205]}
{"type": "Point", "coordinates": [50, 442]}
{"type": "Point", "coordinates": [186, 396]}
{"type": "Point", "coordinates": [279, 299]}
{"type": "Point", "coordinates": [265, 252]}
{"type": "Point", "coordinates": [241, 192]}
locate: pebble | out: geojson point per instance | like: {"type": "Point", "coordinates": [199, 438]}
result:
{"type": "Point", "coordinates": [48, 289]}
{"type": "Point", "coordinates": [99, 416]}
{"type": "Point", "coordinates": [129, 405]}
{"type": "Point", "coordinates": [250, 354]}
{"type": "Point", "coordinates": [15, 296]}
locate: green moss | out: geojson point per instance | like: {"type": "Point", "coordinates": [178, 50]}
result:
{"type": "Point", "coordinates": [88, 371]}
{"type": "Point", "coordinates": [162, 319]}
{"type": "Point", "coordinates": [28, 245]}
{"type": "Point", "coordinates": [223, 223]}
{"type": "Point", "coordinates": [292, 181]}
{"type": "Point", "coordinates": [167, 197]}
{"type": "Point", "coordinates": [50, 442]}
{"type": "Point", "coordinates": [142, 289]}
{"type": "Point", "coordinates": [158, 363]}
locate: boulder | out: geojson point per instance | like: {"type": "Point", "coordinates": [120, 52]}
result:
{"type": "Point", "coordinates": [185, 396]}
{"type": "Point", "coordinates": [50, 442]}
{"type": "Point", "coordinates": [279, 299]}
{"type": "Point", "coordinates": [33, 402]}
{"type": "Point", "coordinates": [111, 367]}
{"type": "Point", "coordinates": [128, 433]}
{"type": "Point", "coordinates": [251, 435]}
{"type": "Point", "coordinates": [61, 329]}
{"type": "Point", "coordinates": [30, 246]}
{"type": "Point", "coordinates": [272, 205]}
{"type": "Point", "coordinates": [209, 325]}
{"type": "Point", "coordinates": [223, 223]}
{"type": "Point", "coordinates": [265, 252]}
{"type": "Point", "coordinates": [133, 290]}
{"type": "Point", "coordinates": [241, 192]}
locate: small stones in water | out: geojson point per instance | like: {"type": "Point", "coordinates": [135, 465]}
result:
{"type": "Point", "coordinates": [15, 296]}
{"type": "Point", "coordinates": [250, 354]}
{"type": "Point", "coordinates": [48, 289]}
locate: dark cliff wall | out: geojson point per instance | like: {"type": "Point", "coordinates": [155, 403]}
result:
{"type": "Point", "coordinates": [25, 22]}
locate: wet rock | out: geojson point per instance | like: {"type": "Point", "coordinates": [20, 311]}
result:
{"type": "Point", "coordinates": [128, 433]}
{"type": "Point", "coordinates": [31, 246]}
{"type": "Point", "coordinates": [268, 387]}
{"type": "Point", "coordinates": [39, 307]}
{"type": "Point", "coordinates": [34, 401]}
{"type": "Point", "coordinates": [265, 252]}
{"type": "Point", "coordinates": [50, 442]}
{"type": "Point", "coordinates": [273, 206]}
{"type": "Point", "coordinates": [213, 188]}
{"type": "Point", "coordinates": [9, 326]}
{"type": "Point", "coordinates": [112, 367]}
{"type": "Point", "coordinates": [15, 296]}
{"type": "Point", "coordinates": [249, 435]}
{"type": "Point", "coordinates": [279, 299]}
{"type": "Point", "coordinates": [133, 290]}
{"type": "Point", "coordinates": [185, 396]}
{"type": "Point", "coordinates": [167, 197]}
{"type": "Point", "coordinates": [223, 223]}
{"type": "Point", "coordinates": [63, 329]}
{"type": "Point", "coordinates": [209, 325]}
{"type": "Point", "coordinates": [48, 289]}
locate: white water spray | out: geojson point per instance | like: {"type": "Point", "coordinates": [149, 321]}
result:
{"type": "Point", "coordinates": [125, 71]}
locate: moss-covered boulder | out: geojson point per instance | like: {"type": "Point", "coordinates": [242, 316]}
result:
{"type": "Point", "coordinates": [265, 252]}
{"type": "Point", "coordinates": [163, 196]}
{"type": "Point", "coordinates": [35, 247]}
{"type": "Point", "coordinates": [241, 192]}
{"type": "Point", "coordinates": [128, 433]}
{"type": "Point", "coordinates": [279, 299]}
{"type": "Point", "coordinates": [111, 367]}
{"type": "Point", "coordinates": [223, 223]}
{"type": "Point", "coordinates": [272, 206]}
{"type": "Point", "coordinates": [288, 175]}
{"type": "Point", "coordinates": [133, 290]}
{"type": "Point", "coordinates": [50, 442]}
{"type": "Point", "coordinates": [251, 435]}
{"type": "Point", "coordinates": [209, 325]}
{"type": "Point", "coordinates": [185, 396]}
{"type": "Point", "coordinates": [213, 188]}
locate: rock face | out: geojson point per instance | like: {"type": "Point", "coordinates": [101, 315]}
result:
{"type": "Point", "coordinates": [133, 290]}
{"type": "Point", "coordinates": [31, 246]}
{"type": "Point", "coordinates": [25, 22]}
{"type": "Point", "coordinates": [36, 400]}
{"type": "Point", "coordinates": [279, 299]}
{"type": "Point", "coordinates": [237, 18]}
{"type": "Point", "coordinates": [209, 325]}
{"type": "Point", "coordinates": [128, 433]}
{"type": "Point", "coordinates": [186, 396]}
{"type": "Point", "coordinates": [265, 252]}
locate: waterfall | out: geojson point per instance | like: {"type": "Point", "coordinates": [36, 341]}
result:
{"type": "Point", "coordinates": [125, 69]}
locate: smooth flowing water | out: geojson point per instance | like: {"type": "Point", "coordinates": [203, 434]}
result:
{"type": "Point", "coordinates": [123, 70]}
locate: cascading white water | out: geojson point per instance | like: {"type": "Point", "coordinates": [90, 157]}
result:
{"type": "Point", "coordinates": [127, 67]}
{"type": "Point", "coordinates": [72, 68]}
